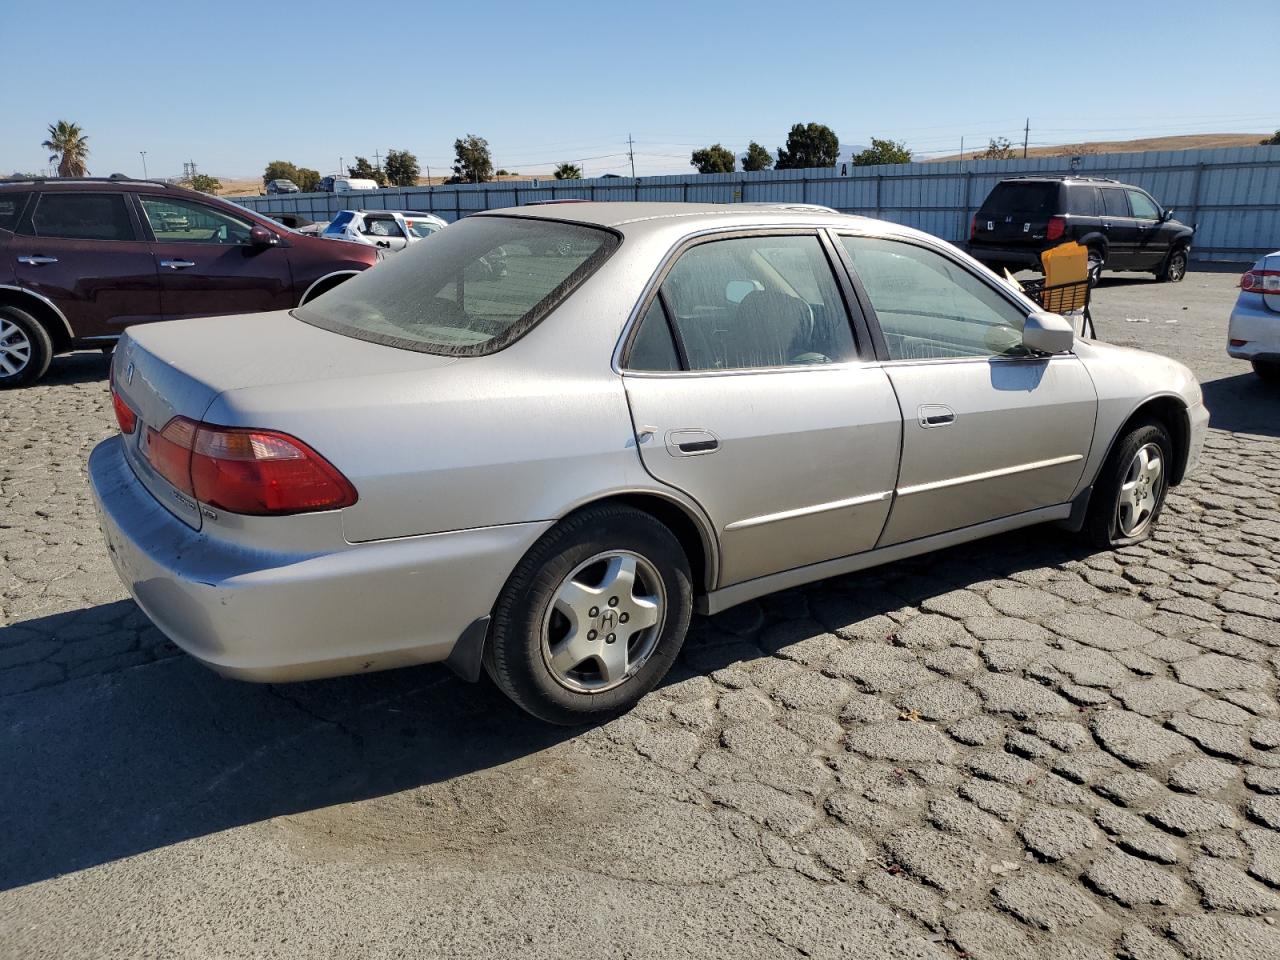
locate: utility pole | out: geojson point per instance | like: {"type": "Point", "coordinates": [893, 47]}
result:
{"type": "Point", "coordinates": [144, 163]}
{"type": "Point", "coordinates": [377, 160]}
{"type": "Point", "coordinates": [1026, 134]}
{"type": "Point", "coordinates": [631, 152]}
{"type": "Point", "coordinates": [962, 149]}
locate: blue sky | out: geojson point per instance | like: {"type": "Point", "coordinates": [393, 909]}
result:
{"type": "Point", "coordinates": [233, 85]}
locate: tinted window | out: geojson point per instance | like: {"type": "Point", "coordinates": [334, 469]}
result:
{"type": "Point", "coordinates": [1142, 206]}
{"type": "Point", "coordinates": [757, 302]}
{"type": "Point", "coordinates": [182, 221]}
{"type": "Point", "coordinates": [653, 348]}
{"type": "Point", "coordinates": [472, 290]}
{"type": "Point", "coordinates": [1114, 203]}
{"type": "Point", "coordinates": [1082, 200]}
{"type": "Point", "coordinates": [929, 307]}
{"type": "Point", "coordinates": [1023, 199]}
{"type": "Point", "coordinates": [82, 216]}
{"type": "Point", "coordinates": [11, 207]}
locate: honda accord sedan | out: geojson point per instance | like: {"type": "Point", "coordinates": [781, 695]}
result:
{"type": "Point", "coordinates": [654, 409]}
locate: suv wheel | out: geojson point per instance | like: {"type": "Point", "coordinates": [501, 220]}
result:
{"type": "Point", "coordinates": [25, 348]}
{"type": "Point", "coordinates": [593, 616]}
{"type": "Point", "coordinates": [1175, 266]}
{"type": "Point", "coordinates": [1131, 487]}
{"type": "Point", "coordinates": [1096, 260]}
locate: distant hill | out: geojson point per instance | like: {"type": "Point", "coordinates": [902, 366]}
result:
{"type": "Point", "coordinates": [1190, 141]}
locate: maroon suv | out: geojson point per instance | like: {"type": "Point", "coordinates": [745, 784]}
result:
{"type": "Point", "coordinates": [82, 259]}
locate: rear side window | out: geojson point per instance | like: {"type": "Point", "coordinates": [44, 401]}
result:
{"type": "Point", "coordinates": [11, 207]}
{"type": "Point", "coordinates": [477, 287]}
{"type": "Point", "coordinates": [82, 216]}
{"type": "Point", "coordinates": [1114, 203]}
{"type": "Point", "coordinates": [1025, 200]}
{"type": "Point", "coordinates": [1082, 200]}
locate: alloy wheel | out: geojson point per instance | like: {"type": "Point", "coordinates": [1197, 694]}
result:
{"type": "Point", "coordinates": [1140, 491]}
{"type": "Point", "coordinates": [15, 348]}
{"type": "Point", "coordinates": [1177, 265]}
{"type": "Point", "coordinates": [603, 622]}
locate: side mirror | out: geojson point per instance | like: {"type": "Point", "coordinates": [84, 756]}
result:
{"type": "Point", "coordinates": [1047, 333]}
{"type": "Point", "coordinates": [262, 237]}
{"type": "Point", "coordinates": [1166, 214]}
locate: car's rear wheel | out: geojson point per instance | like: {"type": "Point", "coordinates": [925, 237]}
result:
{"type": "Point", "coordinates": [1175, 266]}
{"type": "Point", "coordinates": [1268, 370]}
{"type": "Point", "coordinates": [593, 616]}
{"type": "Point", "coordinates": [1130, 490]}
{"type": "Point", "coordinates": [25, 348]}
{"type": "Point", "coordinates": [1096, 259]}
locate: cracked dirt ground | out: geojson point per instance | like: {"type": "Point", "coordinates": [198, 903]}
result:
{"type": "Point", "coordinates": [1016, 749]}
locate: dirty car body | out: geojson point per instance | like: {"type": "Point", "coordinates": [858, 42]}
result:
{"type": "Point", "coordinates": [771, 387]}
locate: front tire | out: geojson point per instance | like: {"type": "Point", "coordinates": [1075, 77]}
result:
{"type": "Point", "coordinates": [592, 618]}
{"type": "Point", "coordinates": [25, 348]}
{"type": "Point", "coordinates": [1130, 491]}
{"type": "Point", "coordinates": [1175, 266]}
{"type": "Point", "coordinates": [1268, 370]}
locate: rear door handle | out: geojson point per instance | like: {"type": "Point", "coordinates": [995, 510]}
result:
{"type": "Point", "coordinates": [177, 264]}
{"type": "Point", "coordinates": [37, 261]}
{"type": "Point", "coordinates": [935, 415]}
{"type": "Point", "coordinates": [691, 443]}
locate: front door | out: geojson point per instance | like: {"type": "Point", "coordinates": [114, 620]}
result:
{"type": "Point", "coordinates": [989, 430]}
{"type": "Point", "coordinates": [1152, 245]}
{"type": "Point", "coordinates": [82, 251]}
{"type": "Point", "coordinates": [748, 393]}
{"type": "Point", "coordinates": [206, 263]}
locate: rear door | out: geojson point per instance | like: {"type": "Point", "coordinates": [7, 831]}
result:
{"type": "Point", "coordinates": [1016, 214]}
{"type": "Point", "coordinates": [206, 263]}
{"type": "Point", "coordinates": [84, 252]}
{"type": "Point", "coordinates": [748, 393]}
{"type": "Point", "coordinates": [989, 431]}
{"type": "Point", "coordinates": [1120, 229]}
{"type": "Point", "coordinates": [384, 230]}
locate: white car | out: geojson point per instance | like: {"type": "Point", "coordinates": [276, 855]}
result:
{"type": "Point", "coordinates": [393, 230]}
{"type": "Point", "coordinates": [1254, 331]}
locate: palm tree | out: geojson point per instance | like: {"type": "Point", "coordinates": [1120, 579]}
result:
{"type": "Point", "coordinates": [68, 145]}
{"type": "Point", "coordinates": [568, 171]}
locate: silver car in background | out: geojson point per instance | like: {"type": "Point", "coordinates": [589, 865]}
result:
{"type": "Point", "coordinates": [651, 409]}
{"type": "Point", "coordinates": [1254, 331]}
{"type": "Point", "coordinates": [392, 230]}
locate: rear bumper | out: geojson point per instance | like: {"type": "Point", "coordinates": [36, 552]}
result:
{"type": "Point", "coordinates": [1004, 257]}
{"type": "Point", "coordinates": [1256, 324]}
{"type": "Point", "coordinates": [273, 617]}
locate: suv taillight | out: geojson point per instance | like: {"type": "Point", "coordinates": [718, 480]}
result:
{"type": "Point", "coordinates": [1261, 281]}
{"type": "Point", "coordinates": [1057, 227]}
{"type": "Point", "coordinates": [973, 227]}
{"type": "Point", "coordinates": [246, 470]}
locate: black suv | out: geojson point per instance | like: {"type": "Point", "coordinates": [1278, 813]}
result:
{"type": "Point", "coordinates": [1123, 226]}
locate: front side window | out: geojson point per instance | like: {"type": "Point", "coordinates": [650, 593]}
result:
{"type": "Point", "coordinates": [931, 308]}
{"type": "Point", "coordinates": [1142, 206]}
{"type": "Point", "coordinates": [181, 221]}
{"type": "Point", "coordinates": [479, 286]}
{"type": "Point", "coordinates": [82, 216]}
{"type": "Point", "coordinates": [422, 228]}
{"type": "Point", "coordinates": [768, 301]}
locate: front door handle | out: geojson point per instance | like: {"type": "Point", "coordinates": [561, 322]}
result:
{"type": "Point", "coordinates": [177, 264]}
{"type": "Point", "coordinates": [935, 415]}
{"type": "Point", "coordinates": [691, 442]}
{"type": "Point", "coordinates": [37, 261]}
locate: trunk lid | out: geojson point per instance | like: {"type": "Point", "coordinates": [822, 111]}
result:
{"type": "Point", "coordinates": [1017, 214]}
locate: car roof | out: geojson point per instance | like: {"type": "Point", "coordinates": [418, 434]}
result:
{"type": "Point", "coordinates": [1060, 178]}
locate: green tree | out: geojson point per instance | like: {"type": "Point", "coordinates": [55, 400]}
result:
{"type": "Point", "coordinates": [69, 146]}
{"type": "Point", "coordinates": [568, 171]}
{"type": "Point", "coordinates": [308, 180]}
{"type": "Point", "coordinates": [205, 183]}
{"type": "Point", "coordinates": [713, 159]}
{"type": "Point", "coordinates": [365, 170]}
{"type": "Point", "coordinates": [998, 148]}
{"type": "Point", "coordinates": [1272, 141]}
{"type": "Point", "coordinates": [809, 145]}
{"type": "Point", "coordinates": [756, 158]}
{"type": "Point", "coordinates": [473, 163]}
{"type": "Point", "coordinates": [280, 170]}
{"type": "Point", "coordinates": [402, 168]}
{"type": "Point", "coordinates": [883, 151]}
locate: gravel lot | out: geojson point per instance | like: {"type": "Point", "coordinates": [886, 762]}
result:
{"type": "Point", "coordinates": [1016, 749]}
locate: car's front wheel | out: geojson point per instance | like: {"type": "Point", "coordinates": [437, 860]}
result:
{"type": "Point", "coordinates": [25, 348]}
{"type": "Point", "coordinates": [1130, 491]}
{"type": "Point", "coordinates": [1175, 266]}
{"type": "Point", "coordinates": [592, 617]}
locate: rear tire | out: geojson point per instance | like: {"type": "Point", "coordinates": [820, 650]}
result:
{"type": "Point", "coordinates": [1096, 260]}
{"type": "Point", "coordinates": [1129, 493]}
{"type": "Point", "coordinates": [560, 645]}
{"type": "Point", "coordinates": [25, 348]}
{"type": "Point", "coordinates": [1175, 266]}
{"type": "Point", "coordinates": [1268, 370]}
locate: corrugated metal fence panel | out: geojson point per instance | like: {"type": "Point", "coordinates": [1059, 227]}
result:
{"type": "Point", "coordinates": [1232, 193]}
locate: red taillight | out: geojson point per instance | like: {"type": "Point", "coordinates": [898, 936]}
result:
{"type": "Point", "coordinates": [973, 227]}
{"type": "Point", "coordinates": [257, 472]}
{"type": "Point", "coordinates": [1057, 227]}
{"type": "Point", "coordinates": [1261, 281]}
{"type": "Point", "coordinates": [125, 416]}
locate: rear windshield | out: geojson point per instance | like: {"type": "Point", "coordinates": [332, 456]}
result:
{"type": "Point", "coordinates": [1023, 199]}
{"type": "Point", "coordinates": [475, 288]}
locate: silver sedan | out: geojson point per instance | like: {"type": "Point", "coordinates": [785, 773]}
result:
{"type": "Point", "coordinates": [543, 471]}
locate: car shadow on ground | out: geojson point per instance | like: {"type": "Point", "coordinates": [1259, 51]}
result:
{"type": "Point", "coordinates": [1244, 403]}
{"type": "Point", "coordinates": [110, 766]}
{"type": "Point", "coordinates": [83, 367]}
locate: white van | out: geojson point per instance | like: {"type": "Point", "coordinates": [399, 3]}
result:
{"type": "Point", "coordinates": [346, 184]}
